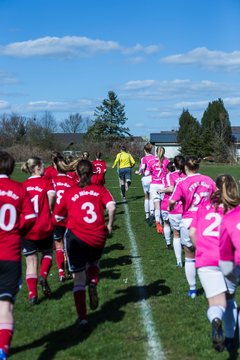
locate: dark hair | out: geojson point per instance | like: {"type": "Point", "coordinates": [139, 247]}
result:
{"type": "Point", "coordinates": [171, 166]}
{"type": "Point", "coordinates": [7, 163]}
{"type": "Point", "coordinates": [192, 163]}
{"type": "Point", "coordinates": [85, 155]}
{"type": "Point", "coordinates": [123, 148]}
{"type": "Point", "coordinates": [60, 163]}
{"type": "Point", "coordinates": [98, 155]}
{"type": "Point", "coordinates": [85, 171]}
{"type": "Point", "coordinates": [56, 154]}
{"type": "Point", "coordinates": [227, 192]}
{"type": "Point", "coordinates": [148, 148]}
{"type": "Point", "coordinates": [30, 164]}
{"type": "Point", "coordinates": [179, 162]}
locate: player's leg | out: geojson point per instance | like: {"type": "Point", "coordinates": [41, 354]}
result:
{"type": "Point", "coordinates": [29, 250]}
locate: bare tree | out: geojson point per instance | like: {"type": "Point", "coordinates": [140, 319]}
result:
{"type": "Point", "coordinates": [73, 124]}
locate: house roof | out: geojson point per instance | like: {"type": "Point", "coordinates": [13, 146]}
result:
{"type": "Point", "coordinates": [169, 137]}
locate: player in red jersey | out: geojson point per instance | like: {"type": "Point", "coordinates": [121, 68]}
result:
{"type": "Point", "coordinates": [16, 217]}
{"type": "Point", "coordinates": [99, 170]}
{"type": "Point", "coordinates": [51, 170]}
{"type": "Point", "coordinates": [61, 183]}
{"type": "Point", "coordinates": [40, 237]}
{"type": "Point", "coordinates": [84, 205]}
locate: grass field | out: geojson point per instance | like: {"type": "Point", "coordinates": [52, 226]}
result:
{"type": "Point", "coordinates": [119, 329]}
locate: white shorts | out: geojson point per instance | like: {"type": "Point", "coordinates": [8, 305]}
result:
{"type": "Point", "coordinates": [184, 233]}
{"type": "Point", "coordinates": [164, 215]}
{"type": "Point", "coordinates": [212, 280]}
{"type": "Point", "coordinates": [146, 181]}
{"type": "Point", "coordinates": [175, 220]}
{"type": "Point", "coordinates": [155, 196]}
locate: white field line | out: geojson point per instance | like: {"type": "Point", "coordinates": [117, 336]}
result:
{"type": "Point", "coordinates": [154, 351]}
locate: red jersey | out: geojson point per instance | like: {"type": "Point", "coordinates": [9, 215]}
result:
{"type": "Point", "coordinates": [84, 209]}
{"type": "Point", "coordinates": [16, 215]}
{"type": "Point", "coordinates": [99, 169]}
{"type": "Point", "coordinates": [38, 188]}
{"type": "Point", "coordinates": [61, 183]}
{"type": "Point", "coordinates": [50, 172]}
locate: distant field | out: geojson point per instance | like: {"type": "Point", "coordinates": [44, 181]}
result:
{"type": "Point", "coordinates": [117, 330]}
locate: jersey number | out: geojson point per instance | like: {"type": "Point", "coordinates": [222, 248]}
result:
{"type": "Point", "coordinates": [34, 200]}
{"type": "Point", "coordinates": [213, 228]}
{"type": "Point", "coordinates": [91, 214]}
{"type": "Point", "coordinates": [12, 217]}
{"type": "Point", "coordinates": [59, 196]}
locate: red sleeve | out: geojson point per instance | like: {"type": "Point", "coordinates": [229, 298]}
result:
{"type": "Point", "coordinates": [28, 216]}
{"type": "Point", "coordinates": [60, 212]}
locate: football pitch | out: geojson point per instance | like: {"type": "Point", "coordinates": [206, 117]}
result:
{"type": "Point", "coordinates": [144, 312]}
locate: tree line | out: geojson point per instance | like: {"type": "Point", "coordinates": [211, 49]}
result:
{"type": "Point", "coordinates": [209, 138]}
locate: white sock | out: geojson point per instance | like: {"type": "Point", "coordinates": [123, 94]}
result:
{"type": "Point", "coordinates": [151, 206]}
{"type": "Point", "coordinates": [177, 249]}
{"type": "Point", "coordinates": [157, 215]}
{"type": "Point", "coordinates": [146, 207]}
{"type": "Point", "coordinates": [215, 311]}
{"type": "Point", "coordinates": [190, 272]}
{"type": "Point", "coordinates": [230, 318]}
{"type": "Point", "coordinates": [167, 234]}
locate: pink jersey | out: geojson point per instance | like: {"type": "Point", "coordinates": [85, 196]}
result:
{"type": "Point", "coordinates": [230, 235]}
{"type": "Point", "coordinates": [172, 179]}
{"type": "Point", "coordinates": [16, 215]}
{"type": "Point", "coordinates": [157, 171]}
{"type": "Point", "coordinates": [144, 163]}
{"type": "Point", "coordinates": [99, 169]}
{"type": "Point", "coordinates": [37, 187]}
{"type": "Point", "coordinates": [84, 209]}
{"type": "Point", "coordinates": [207, 222]}
{"type": "Point", "coordinates": [165, 200]}
{"type": "Point", "coordinates": [192, 191]}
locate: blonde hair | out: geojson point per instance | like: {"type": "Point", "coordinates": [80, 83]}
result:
{"type": "Point", "coordinates": [160, 154]}
{"type": "Point", "coordinates": [30, 164]}
{"type": "Point", "coordinates": [227, 193]}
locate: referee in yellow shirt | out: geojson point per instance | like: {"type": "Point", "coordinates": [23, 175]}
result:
{"type": "Point", "coordinates": [125, 162]}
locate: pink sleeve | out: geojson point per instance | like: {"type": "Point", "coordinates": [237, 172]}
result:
{"type": "Point", "coordinates": [225, 244]}
{"type": "Point", "coordinates": [177, 193]}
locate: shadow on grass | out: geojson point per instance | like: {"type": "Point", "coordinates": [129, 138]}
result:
{"type": "Point", "coordinates": [111, 311]}
{"type": "Point", "coordinates": [113, 247]}
{"type": "Point", "coordinates": [112, 262]}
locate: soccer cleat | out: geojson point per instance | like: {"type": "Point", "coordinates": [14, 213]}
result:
{"type": "Point", "coordinates": [217, 335]}
{"type": "Point", "coordinates": [45, 287]}
{"type": "Point", "coordinates": [159, 228]}
{"type": "Point", "coordinates": [124, 199]}
{"type": "Point", "coordinates": [82, 324]}
{"type": "Point", "coordinates": [93, 296]}
{"type": "Point", "coordinates": [33, 300]}
{"type": "Point", "coordinates": [179, 264]}
{"type": "Point", "coordinates": [62, 278]}
{"type": "Point", "coordinates": [169, 246]}
{"type": "Point", "coordinates": [151, 220]}
{"type": "Point", "coordinates": [229, 344]}
{"type": "Point", "coordinates": [192, 293]}
{"type": "Point", "coordinates": [3, 355]}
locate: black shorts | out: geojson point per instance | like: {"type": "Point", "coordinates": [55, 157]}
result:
{"type": "Point", "coordinates": [58, 233]}
{"type": "Point", "coordinates": [30, 247]}
{"type": "Point", "coordinates": [10, 279]}
{"type": "Point", "coordinates": [79, 253]}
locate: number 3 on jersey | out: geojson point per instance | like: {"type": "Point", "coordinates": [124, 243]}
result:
{"type": "Point", "coordinates": [91, 214]}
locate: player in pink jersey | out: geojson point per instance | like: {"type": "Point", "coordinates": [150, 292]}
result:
{"type": "Point", "coordinates": [40, 237]}
{"type": "Point", "coordinates": [146, 181]}
{"type": "Point", "coordinates": [16, 218]}
{"type": "Point", "coordinates": [175, 215]}
{"type": "Point", "coordinates": [84, 206]}
{"type": "Point", "coordinates": [164, 214]}
{"type": "Point", "coordinates": [99, 170]}
{"type": "Point", "coordinates": [192, 191]}
{"type": "Point", "coordinates": [204, 233]}
{"type": "Point", "coordinates": [157, 167]}
{"type": "Point", "coordinates": [61, 183]}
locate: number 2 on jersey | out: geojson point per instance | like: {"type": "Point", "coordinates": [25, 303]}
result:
{"type": "Point", "coordinates": [213, 228]}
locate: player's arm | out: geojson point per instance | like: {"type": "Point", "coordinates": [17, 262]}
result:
{"type": "Point", "coordinates": [59, 212]}
{"type": "Point", "coordinates": [116, 160]}
{"type": "Point", "coordinates": [111, 209]}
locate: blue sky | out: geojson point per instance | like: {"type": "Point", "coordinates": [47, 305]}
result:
{"type": "Point", "coordinates": [159, 56]}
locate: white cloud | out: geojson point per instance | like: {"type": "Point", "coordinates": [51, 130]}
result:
{"type": "Point", "coordinates": [4, 105]}
{"type": "Point", "coordinates": [206, 58]}
{"type": "Point", "coordinates": [70, 46]}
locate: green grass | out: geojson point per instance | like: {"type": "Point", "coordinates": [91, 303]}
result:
{"type": "Point", "coordinates": [47, 331]}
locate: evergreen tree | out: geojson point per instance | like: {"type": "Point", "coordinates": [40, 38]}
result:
{"type": "Point", "coordinates": [216, 131]}
{"type": "Point", "coordinates": [189, 135]}
{"type": "Point", "coordinates": [109, 120]}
